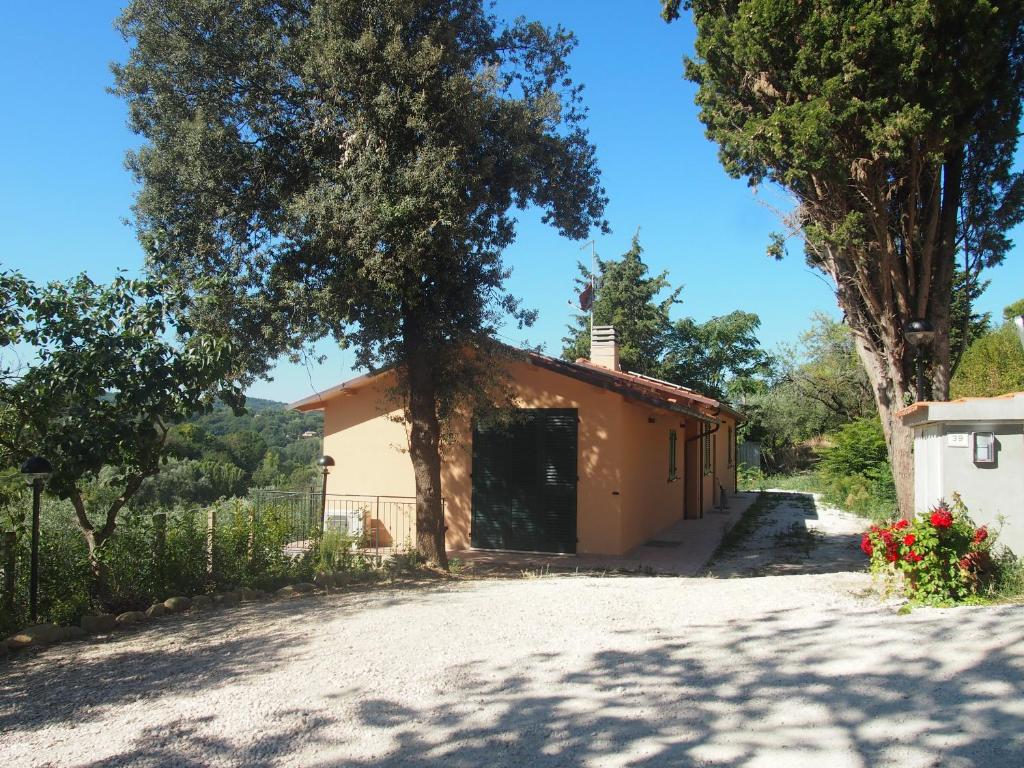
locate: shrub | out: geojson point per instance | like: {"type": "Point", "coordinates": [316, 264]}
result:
{"type": "Point", "coordinates": [749, 478]}
{"type": "Point", "coordinates": [941, 555]}
{"type": "Point", "coordinates": [858, 448]}
{"type": "Point", "coordinates": [249, 550]}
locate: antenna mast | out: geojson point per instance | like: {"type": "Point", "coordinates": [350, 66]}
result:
{"type": "Point", "coordinates": [593, 279]}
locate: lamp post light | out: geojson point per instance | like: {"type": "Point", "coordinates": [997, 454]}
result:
{"type": "Point", "coordinates": [36, 470]}
{"type": "Point", "coordinates": [325, 463]}
{"type": "Point", "coordinates": [920, 334]}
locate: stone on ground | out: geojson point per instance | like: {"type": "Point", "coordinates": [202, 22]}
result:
{"type": "Point", "coordinates": [177, 604]}
{"type": "Point", "coordinates": [37, 634]}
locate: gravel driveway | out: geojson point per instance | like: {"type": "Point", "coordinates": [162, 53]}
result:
{"type": "Point", "coordinates": [785, 670]}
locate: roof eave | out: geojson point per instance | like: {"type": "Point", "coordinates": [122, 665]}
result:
{"type": "Point", "coordinates": [596, 379]}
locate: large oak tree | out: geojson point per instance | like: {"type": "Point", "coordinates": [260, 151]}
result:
{"type": "Point", "coordinates": [347, 168]}
{"type": "Point", "coordinates": [893, 124]}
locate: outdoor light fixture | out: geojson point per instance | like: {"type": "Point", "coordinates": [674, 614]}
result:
{"type": "Point", "coordinates": [36, 470]}
{"type": "Point", "coordinates": [920, 334]}
{"type": "Point", "coordinates": [325, 463]}
{"type": "Point", "coordinates": [984, 448]}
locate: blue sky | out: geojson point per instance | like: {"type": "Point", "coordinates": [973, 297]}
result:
{"type": "Point", "coordinates": [64, 193]}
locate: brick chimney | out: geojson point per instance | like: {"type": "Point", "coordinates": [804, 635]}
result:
{"type": "Point", "coordinates": [604, 349]}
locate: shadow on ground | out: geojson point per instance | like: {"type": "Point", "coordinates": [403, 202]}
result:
{"type": "Point", "coordinates": [784, 699]}
{"type": "Point", "coordinates": [787, 533]}
{"type": "Point", "coordinates": [194, 653]}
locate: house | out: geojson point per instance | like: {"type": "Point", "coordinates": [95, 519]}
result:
{"type": "Point", "coordinates": [974, 447]}
{"type": "Point", "coordinates": [595, 460]}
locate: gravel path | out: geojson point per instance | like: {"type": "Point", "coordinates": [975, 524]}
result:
{"type": "Point", "coordinates": [793, 533]}
{"type": "Point", "coordinates": [787, 670]}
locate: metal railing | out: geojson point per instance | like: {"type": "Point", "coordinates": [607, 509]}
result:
{"type": "Point", "coordinates": [378, 525]}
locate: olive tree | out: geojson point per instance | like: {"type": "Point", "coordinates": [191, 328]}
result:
{"type": "Point", "coordinates": [99, 381]}
{"type": "Point", "coordinates": [346, 169]}
{"type": "Point", "coordinates": [894, 126]}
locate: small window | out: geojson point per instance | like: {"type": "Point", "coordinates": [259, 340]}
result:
{"type": "Point", "coordinates": [673, 473]}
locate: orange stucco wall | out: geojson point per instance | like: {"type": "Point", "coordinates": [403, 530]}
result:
{"type": "Point", "coordinates": [624, 495]}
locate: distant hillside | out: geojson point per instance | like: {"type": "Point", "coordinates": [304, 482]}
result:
{"type": "Point", "coordinates": [270, 419]}
{"type": "Point", "coordinates": [255, 404]}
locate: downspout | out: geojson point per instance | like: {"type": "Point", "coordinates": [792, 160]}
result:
{"type": "Point", "coordinates": [700, 486]}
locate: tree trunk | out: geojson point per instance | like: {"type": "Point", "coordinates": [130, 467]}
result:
{"type": "Point", "coordinates": [424, 445]}
{"type": "Point", "coordinates": [889, 377]}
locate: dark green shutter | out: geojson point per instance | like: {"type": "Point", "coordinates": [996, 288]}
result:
{"type": "Point", "coordinates": [524, 482]}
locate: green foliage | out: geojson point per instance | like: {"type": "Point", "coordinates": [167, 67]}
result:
{"type": "Point", "coordinates": [222, 453]}
{"type": "Point", "coordinates": [191, 482]}
{"type": "Point", "coordinates": [813, 388]}
{"type": "Point", "coordinates": [349, 169]}
{"type": "Point", "coordinates": [966, 325]}
{"type": "Point", "coordinates": [857, 448]}
{"type": "Point", "coordinates": [706, 356]}
{"type": "Point", "coordinates": [702, 356]}
{"type": "Point", "coordinates": [894, 127]}
{"type": "Point", "coordinates": [627, 298]}
{"type": "Point", "coordinates": [855, 470]}
{"type": "Point", "coordinates": [992, 365]}
{"type": "Point", "coordinates": [942, 556]}
{"type": "Point", "coordinates": [1016, 309]}
{"type": "Point", "coordinates": [249, 550]}
{"type": "Point", "coordinates": [104, 388]}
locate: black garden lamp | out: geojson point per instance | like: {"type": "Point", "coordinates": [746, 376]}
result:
{"type": "Point", "coordinates": [920, 334]}
{"type": "Point", "coordinates": [36, 470]}
{"type": "Point", "coordinates": [325, 463]}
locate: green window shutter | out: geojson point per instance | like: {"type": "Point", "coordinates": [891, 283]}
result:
{"type": "Point", "coordinates": [525, 482]}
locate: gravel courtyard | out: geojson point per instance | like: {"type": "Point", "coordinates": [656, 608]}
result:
{"type": "Point", "coordinates": [778, 670]}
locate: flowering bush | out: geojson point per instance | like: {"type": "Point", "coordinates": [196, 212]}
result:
{"type": "Point", "coordinates": [941, 554]}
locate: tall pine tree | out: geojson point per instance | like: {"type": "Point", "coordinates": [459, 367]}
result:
{"type": "Point", "coordinates": [627, 298]}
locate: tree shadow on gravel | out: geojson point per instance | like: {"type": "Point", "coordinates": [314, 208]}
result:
{"type": "Point", "coordinates": [775, 694]}
{"type": "Point", "coordinates": [781, 535]}
{"type": "Point", "coordinates": [75, 682]}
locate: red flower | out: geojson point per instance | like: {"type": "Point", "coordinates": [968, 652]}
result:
{"type": "Point", "coordinates": [909, 539]}
{"type": "Point", "coordinates": [886, 536]}
{"type": "Point", "coordinates": [892, 555]}
{"type": "Point", "coordinates": [865, 544]}
{"type": "Point", "coordinates": [966, 563]}
{"type": "Point", "coordinates": [913, 557]}
{"type": "Point", "coordinates": [900, 525]}
{"type": "Point", "coordinates": [981, 534]}
{"type": "Point", "coordinates": [941, 517]}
